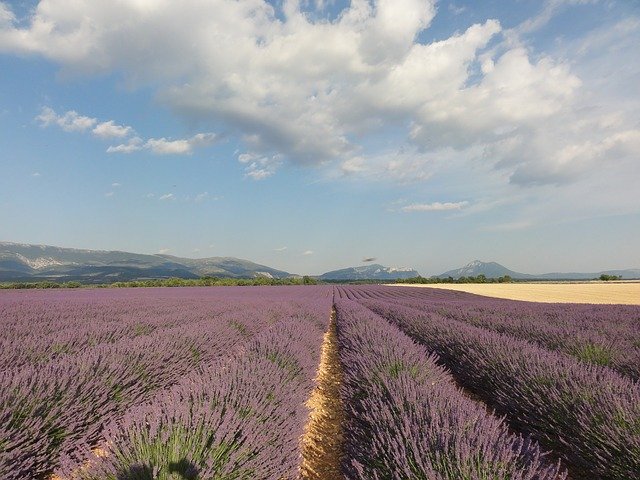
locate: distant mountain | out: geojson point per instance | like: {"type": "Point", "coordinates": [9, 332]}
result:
{"type": "Point", "coordinates": [488, 269]}
{"type": "Point", "coordinates": [495, 270]}
{"type": "Point", "coordinates": [24, 262]}
{"type": "Point", "coordinates": [369, 272]}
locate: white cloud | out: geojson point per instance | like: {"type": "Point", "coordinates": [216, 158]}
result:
{"type": "Point", "coordinates": [111, 130]}
{"type": "Point", "coordinates": [307, 252]}
{"type": "Point", "coordinates": [36, 174]}
{"type": "Point", "coordinates": [280, 249]}
{"type": "Point", "coordinates": [7, 18]}
{"type": "Point", "coordinates": [116, 185]}
{"type": "Point", "coordinates": [315, 90]}
{"type": "Point", "coordinates": [167, 196]}
{"type": "Point", "coordinates": [71, 121]}
{"type": "Point", "coordinates": [163, 251]}
{"type": "Point", "coordinates": [162, 146]}
{"type": "Point", "coordinates": [404, 165]}
{"type": "Point", "coordinates": [133, 145]}
{"type": "Point", "coordinates": [109, 194]}
{"type": "Point", "coordinates": [434, 207]}
{"type": "Point", "coordinates": [259, 167]}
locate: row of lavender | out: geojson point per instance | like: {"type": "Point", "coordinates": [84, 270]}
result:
{"type": "Point", "coordinates": [243, 419]}
{"type": "Point", "coordinates": [600, 334]}
{"type": "Point", "coordinates": [41, 326]}
{"type": "Point", "coordinates": [216, 389]}
{"type": "Point", "coordinates": [51, 407]}
{"type": "Point", "coordinates": [405, 418]}
{"type": "Point", "coordinates": [589, 415]}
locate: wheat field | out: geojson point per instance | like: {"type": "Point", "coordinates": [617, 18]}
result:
{"type": "Point", "coordinates": [627, 293]}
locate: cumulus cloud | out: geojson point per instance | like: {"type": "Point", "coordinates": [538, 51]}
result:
{"type": "Point", "coordinates": [307, 252]}
{"type": "Point", "coordinates": [406, 164]}
{"type": "Point", "coordinates": [167, 196]}
{"type": "Point", "coordinates": [162, 146]}
{"type": "Point", "coordinates": [259, 167]}
{"type": "Point", "coordinates": [70, 121]}
{"type": "Point", "coordinates": [434, 207]}
{"type": "Point", "coordinates": [116, 185]}
{"type": "Point", "coordinates": [6, 16]}
{"type": "Point", "coordinates": [163, 251]}
{"type": "Point", "coordinates": [111, 130]}
{"type": "Point", "coordinates": [134, 144]}
{"type": "Point", "coordinates": [315, 90]}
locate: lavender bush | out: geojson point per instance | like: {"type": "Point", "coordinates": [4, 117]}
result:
{"type": "Point", "coordinates": [406, 418]}
{"type": "Point", "coordinates": [49, 408]}
{"type": "Point", "coordinates": [242, 421]}
{"type": "Point", "coordinates": [588, 414]}
{"type": "Point", "coordinates": [606, 335]}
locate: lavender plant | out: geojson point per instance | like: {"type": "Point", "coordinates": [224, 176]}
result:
{"type": "Point", "coordinates": [588, 414]}
{"type": "Point", "coordinates": [606, 335]}
{"type": "Point", "coordinates": [239, 422]}
{"type": "Point", "coordinates": [52, 408]}
{"type": "Point", "coordinates": [406, 418]}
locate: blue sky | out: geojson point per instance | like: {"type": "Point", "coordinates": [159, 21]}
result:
{"type": "Point", "coordinates": [309, 135]}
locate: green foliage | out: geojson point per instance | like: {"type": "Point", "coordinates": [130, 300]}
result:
{"type": "Point", "coordinates": [479, 279]}
{"type": "Point", "coordinates": [607, 278]}
{"type": "Point", "coordinates": [206, 281]}
{"type": "Point", "coordinates": [593, 353]}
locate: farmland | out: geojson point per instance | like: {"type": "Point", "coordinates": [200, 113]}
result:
{"type": "Point", "coordinates": [322, 382]}
{"type": "Point", "coordinates": [627, 293]}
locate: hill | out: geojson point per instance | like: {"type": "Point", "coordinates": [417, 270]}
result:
{"type": "Point", "coordinates": [495, 270]}
{"type": "Point", "coordinates": [25, 262]}
{"type": "Point", "coordinates": [369, 272]}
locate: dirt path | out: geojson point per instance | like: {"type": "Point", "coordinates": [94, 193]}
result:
{"type": "Point", "coordinates": [627, 293]}
{"type": "Point", "coordinates": [322, 442]}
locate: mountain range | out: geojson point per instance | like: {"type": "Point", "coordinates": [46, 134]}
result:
{"type": "Point", "coordinates": [495, 270]}
{"type": "Point", "coordinates": [369, 272]}
{"type": "Point", "coordinates": [26, 262]}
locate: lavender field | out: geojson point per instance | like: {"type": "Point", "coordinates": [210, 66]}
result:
{"type": "Point", "coordinates": [355, 382]}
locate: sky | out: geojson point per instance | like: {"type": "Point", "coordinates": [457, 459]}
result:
{"type": "Point", "coordinates": [312, 135]}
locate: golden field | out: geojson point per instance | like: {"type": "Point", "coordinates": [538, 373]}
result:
{"type": "Point", "coordinates": [627, 293]}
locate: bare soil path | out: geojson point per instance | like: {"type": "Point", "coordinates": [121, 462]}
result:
{"type": "Point", "coordinates": [322, 443]}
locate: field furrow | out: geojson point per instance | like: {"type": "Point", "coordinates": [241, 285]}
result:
{"type": "Point", "coordinates": [406, 419]}
{"type": "Point", "coordinates": [244, 420]}
{"type": "Point", "coordinates": [587, 414]}
{"type": "Point", "coordinates": [48, 411]}
{"type": "Point", "coordinates": [322, 443]}
{"type": "Point", "coordinates": [601, 335]}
